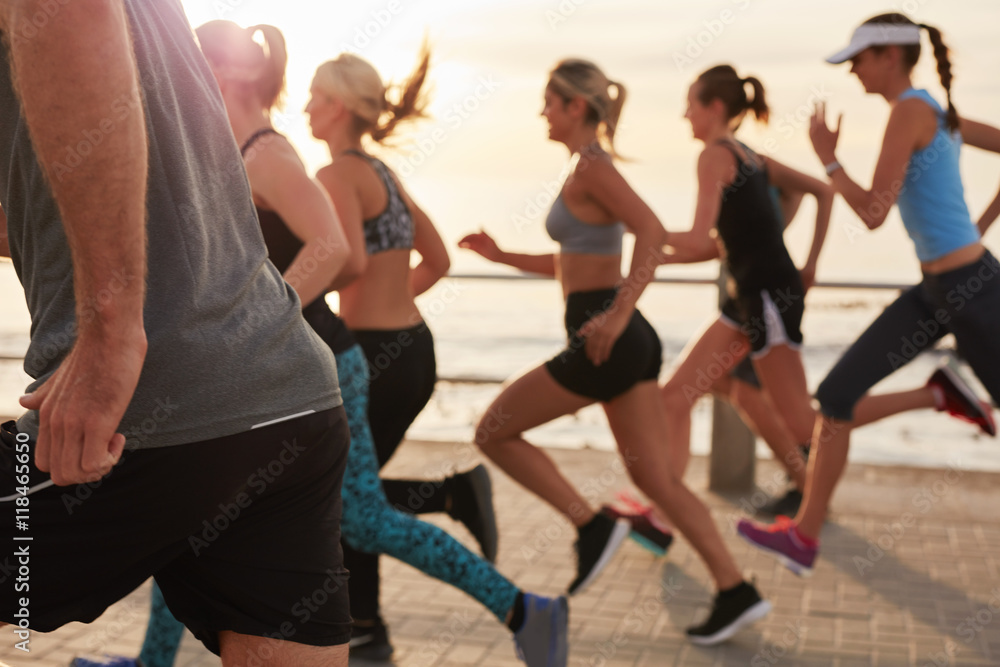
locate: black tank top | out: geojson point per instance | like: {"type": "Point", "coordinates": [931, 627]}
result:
{"type": "Point", "coordinates": [750, 230]}
{"type": "Point", "coordinates": [282, 247]}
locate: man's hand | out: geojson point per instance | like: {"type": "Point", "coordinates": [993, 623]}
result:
{"type": "Point", "coordinates": [80, 406]}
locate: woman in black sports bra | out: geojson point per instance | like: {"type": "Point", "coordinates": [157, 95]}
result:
{"type": "Point", "coordinates": [349, 104]}
{"type": "Point", "coordinates": [612, 355]}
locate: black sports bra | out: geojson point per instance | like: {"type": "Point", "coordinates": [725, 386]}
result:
{"type": "Point", "coordinates": [393, 228]}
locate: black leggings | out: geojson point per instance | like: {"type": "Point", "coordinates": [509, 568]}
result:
{"type": "Point", "coordinates": [964, 302]}
{"type": "Point", "coordinates": [403, 370]}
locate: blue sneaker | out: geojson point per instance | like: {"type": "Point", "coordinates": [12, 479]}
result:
{"type": "Point", "coordinates": [106, 661]}
{"type": "Point", "coordinates": [542, 640]}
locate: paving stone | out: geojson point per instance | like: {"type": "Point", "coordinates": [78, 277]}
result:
{"type": "Point", "coordinates": [903, 608]}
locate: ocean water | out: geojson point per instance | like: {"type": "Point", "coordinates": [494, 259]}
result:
{"type": "Point", "coordinates": [481, 161]}
{"type": "Point", "coordinates": [487, 331]}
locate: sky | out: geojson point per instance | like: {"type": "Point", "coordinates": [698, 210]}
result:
{"type": "Point", "coordinates": [483, 161]}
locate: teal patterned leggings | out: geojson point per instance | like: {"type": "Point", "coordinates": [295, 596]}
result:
{"type": "Point", "coordinates": [370, 523]}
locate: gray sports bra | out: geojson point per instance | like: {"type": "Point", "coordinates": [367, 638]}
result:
{"type": "Point", "coordinates": [576, 236]}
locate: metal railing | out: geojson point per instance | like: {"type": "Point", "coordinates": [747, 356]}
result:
{"type": "Point", "coordinates": [733, 459]}
{"type": "Point", "coordinates": [733, 452]}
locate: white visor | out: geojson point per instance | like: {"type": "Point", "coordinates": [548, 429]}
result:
{"type": "Point", "coordinates": [876, 34]}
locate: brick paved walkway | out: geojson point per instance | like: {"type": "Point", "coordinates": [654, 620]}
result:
{"type": "Point", "coordinates": [909, 575]}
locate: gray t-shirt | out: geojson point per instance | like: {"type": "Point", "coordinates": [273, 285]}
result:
{"type": "Point", "coordinates": [227, 346]}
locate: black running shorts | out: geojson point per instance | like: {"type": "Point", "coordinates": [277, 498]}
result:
{"type": "Point", "coordinates": [242, 533]}
{"type": "Point", "coordinates": [635, 357]}
{"type": "Point", "coordinates": [768, 317]}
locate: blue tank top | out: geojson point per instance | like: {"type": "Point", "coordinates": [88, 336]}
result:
{"type": "Point", "coordinates": [932, 201]}
{"type": "Point", "coordinates": [579, 237]}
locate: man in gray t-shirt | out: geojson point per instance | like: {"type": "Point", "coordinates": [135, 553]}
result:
{"type": "Point", "coordinates": [184, 420]}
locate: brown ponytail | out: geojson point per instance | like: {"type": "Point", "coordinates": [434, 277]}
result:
{"type": "Point", "coordinates": [758, 105]}
{"type": "Point", "coordinates": [412, 102]}
{"type": "Point", "coordinates": [944, 71]}
{"type": "Point", "coordinates": [724, 84]}
{"type": "Point", "coordinates": [271, 84]}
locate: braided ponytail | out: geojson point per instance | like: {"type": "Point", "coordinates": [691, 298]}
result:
{"type": "Point", "coordinates": [944, 71]}
{"type": "Point", "coordinates": [911, 53]}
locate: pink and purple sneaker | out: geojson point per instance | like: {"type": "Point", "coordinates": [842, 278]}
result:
{"type": "Point", "coordinates": [783, 541]}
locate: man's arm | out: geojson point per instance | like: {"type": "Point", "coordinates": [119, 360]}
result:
{"type": "Point", "coordinates": [74, 75]}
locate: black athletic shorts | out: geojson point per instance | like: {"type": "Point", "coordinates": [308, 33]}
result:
{"type": "Point", "coordinates": [242, 533]}
{"type": "Point", "coordinates": [768, 317]}
{"type": "Point", "coordinates": [636, 356]}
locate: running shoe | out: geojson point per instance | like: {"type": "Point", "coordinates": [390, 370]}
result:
{"type": "Point", "coordinates": [786, 505]}
{"type": "Point", "coordinates": [106, 661]}
{"type": "Point", "coordinates": [731, 612]}
{"type": "Point", "coordinates": [370, 642]}
{"type": "Point", "coordinates": [543, 640]}
{"type": "Point", "coordinates": [472, 505]}
{"type": "Point", "coordinates": [651, 533]}
{"type": "Point", "coordinates": [596, 544]}
{"type": "Point", "coordinates": [952, 394]}
{"type": "Point", "coordinates": [782, 540]}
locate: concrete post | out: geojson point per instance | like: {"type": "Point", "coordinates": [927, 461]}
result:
{"type": "Point", "coordinates": [733, 457]}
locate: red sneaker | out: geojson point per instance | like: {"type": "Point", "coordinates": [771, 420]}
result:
{"type": "Point", "coordinates": [951, 393]}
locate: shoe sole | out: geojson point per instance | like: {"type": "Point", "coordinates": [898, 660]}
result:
{"type": "Point", "coordinates": [751, 615]}
{"type": "Point", "coordinates": [796, 567]}
{"type": "Point", "coordinates": [618, 534]}
{"type": "Point", "coordinates": [649, 545]}
{"type": "Point", "coordinates": [483, 490]}
{"type": "Point", "coordinates": [977, 406]}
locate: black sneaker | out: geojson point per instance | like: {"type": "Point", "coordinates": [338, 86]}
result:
{"type": "Point", "coordinates": [370, 642]}
{"type": "Point", "coordinates": [786, 505]}
{"type": "Point", "coordinates": [732, 611]}
{"type": "Point", "coordinates": [596, 544]}
{"type": "Point", "coordinates": [472, 504]}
